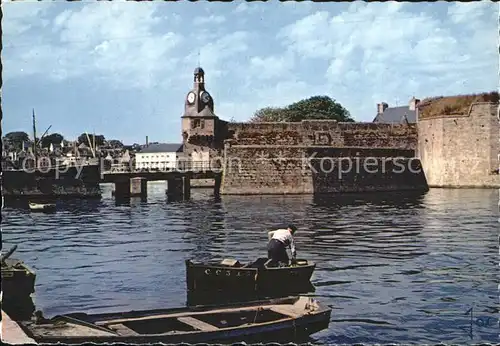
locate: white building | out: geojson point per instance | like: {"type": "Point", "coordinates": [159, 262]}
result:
{"type": "Point", "coordinates": [161, 157]}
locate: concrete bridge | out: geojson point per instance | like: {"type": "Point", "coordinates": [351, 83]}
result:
{"type": "Point", "coordinates": [134, 183]}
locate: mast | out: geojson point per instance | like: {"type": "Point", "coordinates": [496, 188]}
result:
{"type": "Point", "coordinates": [95, 148]}
{"type": "Point", "coordinates": [34, 139]}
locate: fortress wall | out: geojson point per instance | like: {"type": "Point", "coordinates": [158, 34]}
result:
{"type": "Point", "coordinates": [253, 169]}
{"type": "Point", "coordinates": [461, 150]}
{"type": "Point", "coordinates": [325, 133]}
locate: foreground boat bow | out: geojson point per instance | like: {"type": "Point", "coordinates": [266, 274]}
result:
{"type": "Point", "coordinates": [278, 320]}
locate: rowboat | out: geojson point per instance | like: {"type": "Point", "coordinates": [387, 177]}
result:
{"type": "Point", "coordinates": [42, 207]}
{"type": "Point", "coordinates": [261, 275]}
{"type": "Point", "coordinates": [281, 320]}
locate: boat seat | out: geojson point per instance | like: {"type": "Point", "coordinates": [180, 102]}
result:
{"type": "Point", "coordinates": [122, 329]}
{"type": "Point", "coordinates": [230, 262]}
{"type": "Point", "coordinates": [285, 310]}
{"type": "Point", "coordinates": [200, 325]}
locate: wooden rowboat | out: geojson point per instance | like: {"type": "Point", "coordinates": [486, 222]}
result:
{"type": "Point", "coordinates": [42, 207]}
{"type": "Point", "coordinates": [280, 320]}
{"type": "Point", "coordinates": [260, 275]}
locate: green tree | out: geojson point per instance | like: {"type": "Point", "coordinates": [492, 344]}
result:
{"type": "Point", "coordinates": [313, 108]}
{"type": "Point", "coordinates": [115, 143]}
{"type": "Point", "coordinates": [16, 139]}
{"type": "Point", "coordinates": [99, 139]}
{"type": "Point", "coordinates": [53, 138]}
{"type": "Point", "coordinates": [269, 114]}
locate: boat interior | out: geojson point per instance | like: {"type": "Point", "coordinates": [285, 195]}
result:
{"type": "Point", "coordinates": [172, 323]}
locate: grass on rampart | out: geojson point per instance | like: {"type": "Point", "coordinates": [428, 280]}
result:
{"type": "Point", "coordinates": [453, 105]}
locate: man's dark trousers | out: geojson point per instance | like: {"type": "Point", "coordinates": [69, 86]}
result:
{"type": "Point", "coordinates": [276, 251]}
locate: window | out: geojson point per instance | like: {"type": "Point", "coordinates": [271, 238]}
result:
{"type": "Point", "coordinates": [196, 123]}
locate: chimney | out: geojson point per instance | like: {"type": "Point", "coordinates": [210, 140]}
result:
{"type": "Point", "coordinates": [147, 142]}
{"type": "Point", "coordinates": [413, 103]}
{"type": "Point", "coordinates": [381, 107]}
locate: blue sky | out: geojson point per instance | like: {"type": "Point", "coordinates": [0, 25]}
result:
{"type": "Point", "coordinates": [123, 69]}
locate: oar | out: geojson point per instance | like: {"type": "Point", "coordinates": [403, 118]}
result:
{"type": "Point", "coordinates": [7, 254]}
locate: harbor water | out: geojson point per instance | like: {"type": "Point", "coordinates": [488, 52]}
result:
{"type": "Point", "coordinates": [400, 269]}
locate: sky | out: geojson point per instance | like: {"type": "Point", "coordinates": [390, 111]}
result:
{"type": "Point", "coordinates": [123, 69]}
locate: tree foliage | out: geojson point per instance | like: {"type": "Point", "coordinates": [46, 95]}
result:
{"type": "Point", "coordinates": [16, 139]}
{"type": "Point", "coordinates": [99, 139]}
{"type": "Point", "coordinates": [53, 138]}
{"type": "Point", "coordinates": [313, 108]}
{"type": "Point", "coordinates": [115, 143]}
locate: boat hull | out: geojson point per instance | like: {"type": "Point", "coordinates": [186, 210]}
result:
{"type": "Point", "coordinates": [297, 331]}
{"type": "Point", "coordinates": [256, 277]}
{"type": "Point", "coordinates": [18, 283]}
{"type": "Point", "coordinates": [266, 328]}
{"type": "Point", "coordinates": [17, 279]}
{"type": "Point", "coordinates": [42, 208]}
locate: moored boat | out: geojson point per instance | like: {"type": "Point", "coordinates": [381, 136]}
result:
{"type": "Point", "coordinates": [260, 275]}
{"type": "Point", "coordinates": [18, 283]}
{"type": "Point", "coordinates": [42, 207]}
{"type": "Point", "coordinates": [279, 320]}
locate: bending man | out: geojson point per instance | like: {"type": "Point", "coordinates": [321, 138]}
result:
{"type": "Point", "coordinates": [279, 240]}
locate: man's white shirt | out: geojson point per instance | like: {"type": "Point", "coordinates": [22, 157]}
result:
{"type": "Point", "coordinates": [284, 236]}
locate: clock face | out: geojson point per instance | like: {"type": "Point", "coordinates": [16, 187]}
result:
{"type": "Point", "coordinates": [205, 97]}
{"type": "Point", "coordinates": [191, 97]}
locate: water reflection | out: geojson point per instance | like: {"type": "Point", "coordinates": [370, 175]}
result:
{"type": "Point", "coordinates": [212, 297]}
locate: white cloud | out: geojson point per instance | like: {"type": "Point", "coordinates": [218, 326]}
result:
{"type": "Point", "coordinates": [110, 41]}
{"type": "Point", "coordinates": [19, 17]}
{"type": "Point", "coordinates": [212, 19]}
{"type": "Point", "coordinates": [270, 67]}
{"type": "Point", "coordinates": [397, 51]}
{"type": "Point", "coordinates": [470, 12]}
{"type": "Point", "coordinates": [248, 8]}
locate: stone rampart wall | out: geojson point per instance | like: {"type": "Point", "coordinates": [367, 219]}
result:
{"type": "Point", "coordinates": [324, 133]}
{"type": "Point", "coordinates": [461, 150]}
{"type": "Point", "coordinates": [319, 156]}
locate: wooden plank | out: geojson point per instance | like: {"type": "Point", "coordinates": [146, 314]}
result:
{"type": "Point", "coordinates": [288, 311]}
{"type": "Point", "coordinates": [182, 314]}
{"type": "Point", "coordinates": [193, 322]}
{"type": "Point", "coordinates": [122, 329]}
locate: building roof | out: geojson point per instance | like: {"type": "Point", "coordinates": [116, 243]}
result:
{"type": "Point", "coordinates": [396, 115]}
{"type": "Point", "coordinates": [163, 148]}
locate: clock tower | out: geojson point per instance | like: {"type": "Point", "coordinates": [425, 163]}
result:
{"type": "Point", "coordinates": [203, 133]}
{"type": "Point", "coordinates": [199, 122]}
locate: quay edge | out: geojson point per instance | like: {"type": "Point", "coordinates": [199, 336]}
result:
{"type": "Point", "coordinates": [13, 334]}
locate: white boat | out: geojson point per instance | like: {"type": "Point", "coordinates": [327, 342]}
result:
{"type": "Point", "coordinates": [42, 207]}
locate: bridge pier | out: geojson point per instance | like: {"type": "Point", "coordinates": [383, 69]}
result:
{"type": "Point", "coordinates": [133, 187]}
{"type": "Point", "coordinates": [179, 188]}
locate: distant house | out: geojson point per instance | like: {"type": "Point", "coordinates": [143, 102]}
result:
{"type": "Point", "coordinates": [397, 115]}
{"type": "Point", "coordinates": [161, 156]}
